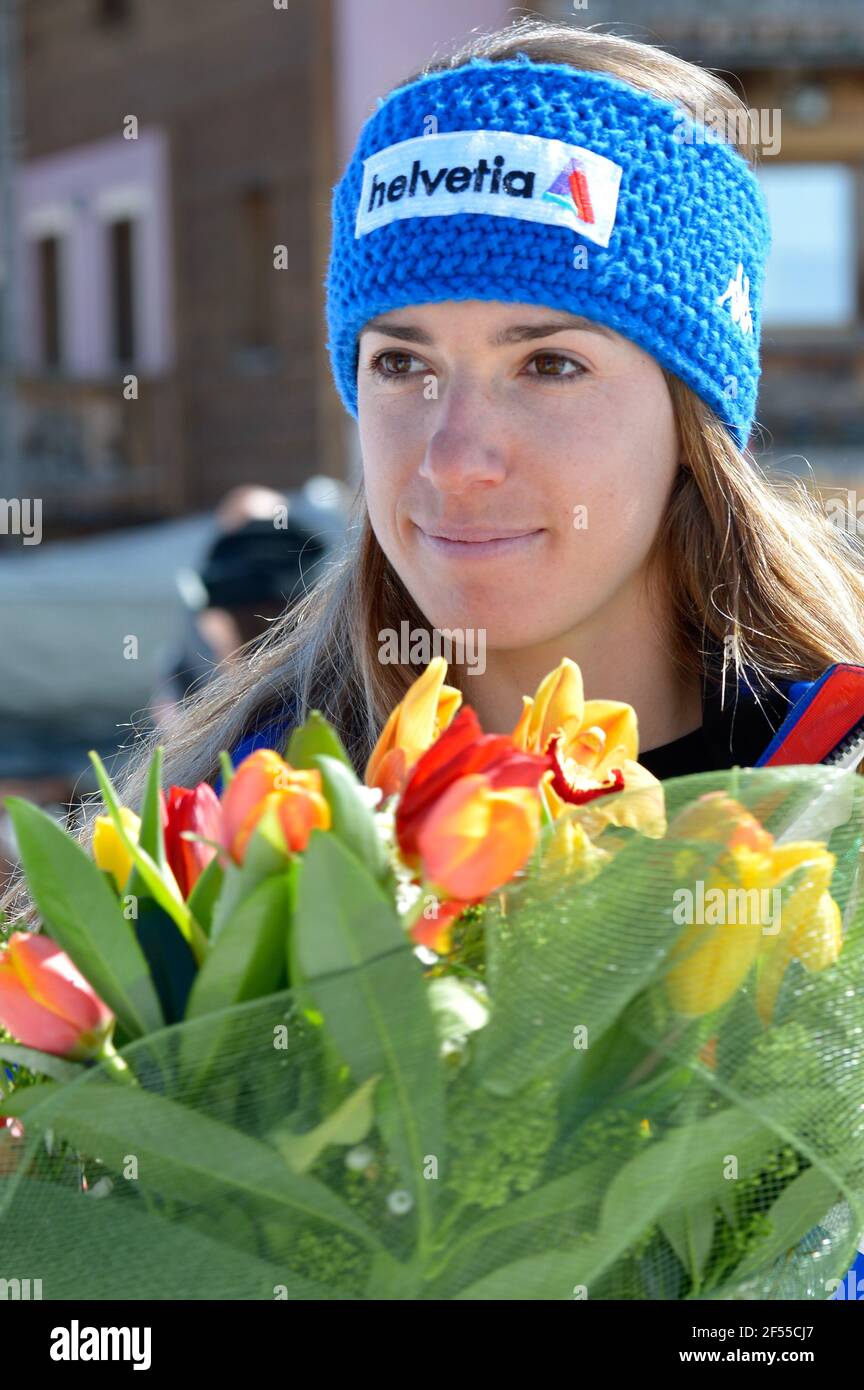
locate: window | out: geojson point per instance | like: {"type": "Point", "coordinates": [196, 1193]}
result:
{"type": "Point", "coordinates": [810, 279]}
{"type": "Point", "coordinates": [95, 289]}
{"type": "Point", "coordinates": [122, 233]}
{"type": "Point", "coordinates": [48, 253]}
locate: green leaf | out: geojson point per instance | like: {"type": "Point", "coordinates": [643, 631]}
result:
{"type": "Point", "coordinates": [682, 1170]}
{"type": "Point", "coordinates": [263, 858]}
{"type": "Point", "coordinates": [165, 1251]}
{"type": "Point", "coordinates": [171, 962]}
{"type": "Point", "coordinates": [553, 1276]}
{"type": "Point", "coordinates": [204, 896]}
{"type": "Point", "coordinates": [312, 739]}
{"type": "Point", "coordinates": [227, 769]}
{"type": "Point", "coordinates": [151, 836]}
{"type": "Point", "coordinates": [187, 1155]}
{"type": "Point", "coordinates": [161, 890]}
{"type": "Point", "coordinates": [552, 919]}
{"type": "Point", "coordinates": [352, 956]}
{"type": "Point", "coordinates": [727, 1206]}
{"type": "Point", "coordinates": [247, 959]}
{"type": "Point", "coordinates": [353, 820]}
{"type": "Point", "coordinates": [42, 1063]}
{"type": "Point", "coordinates": [82, 914]}
{"type": "Point", "coordinates": [390, 1280]}
{"type": "Point", "coordinates": [29, 1098]}
{"type": "Point", "coordinates": [480, 1244]}
{"type": "Point", "coordinates": [348, 1124]}
{"type": "Point", "coordinates": [689, 1229]}
{"type": "Point", "coordinates": [800, 1207]}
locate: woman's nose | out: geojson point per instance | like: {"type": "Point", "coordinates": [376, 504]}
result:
{"type": "Point", "coordinates": [462, 453]}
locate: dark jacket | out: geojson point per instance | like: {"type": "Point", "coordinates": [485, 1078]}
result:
{"type": "Point", "coordinates": [749, 724]}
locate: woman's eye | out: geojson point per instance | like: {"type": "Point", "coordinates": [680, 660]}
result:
{"type": "Point", "coordinates": [392, 363]}
{"type": "Point", "coordinates": [551, 365]}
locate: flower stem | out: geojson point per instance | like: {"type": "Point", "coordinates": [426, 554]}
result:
{"type": "Point", "coordinates": [115, 1064]}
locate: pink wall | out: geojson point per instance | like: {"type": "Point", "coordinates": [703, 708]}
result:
{"type": "Point", "coordinates": [76, 193]}
{"type": "Point", "coordinates": [379, 42]}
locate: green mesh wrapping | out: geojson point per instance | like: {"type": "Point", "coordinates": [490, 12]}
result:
{"type": "Point", "coordinates": [480, 1162]}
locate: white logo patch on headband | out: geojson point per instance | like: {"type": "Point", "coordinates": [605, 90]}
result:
{"type": "Point", "coordinates": [494, 172]}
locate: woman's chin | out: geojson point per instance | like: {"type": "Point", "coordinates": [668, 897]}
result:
{"type": "Point", "coordinates": [495, 630]}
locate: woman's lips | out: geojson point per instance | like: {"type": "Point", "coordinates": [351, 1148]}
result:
{"type": "Point", "coordinates": [474, 543]}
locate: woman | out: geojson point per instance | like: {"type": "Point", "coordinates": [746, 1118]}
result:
{"type": "Point", "coordinates": [557, 486]}
{"type": "Point", "coordinates": [544, 310]}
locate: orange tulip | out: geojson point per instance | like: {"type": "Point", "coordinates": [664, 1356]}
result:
{"type": "Point", "coordinates": [46, 1003]}
{"type": "Point", "coordinates": [265, 783]}
{"type": "Point", "coordinates": [412, 727]}
{"type": "Point", "coordinates": [594, 745]}
{"type": "Point", "coordinates": [477, 836]}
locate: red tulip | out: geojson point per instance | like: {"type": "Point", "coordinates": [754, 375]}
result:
{"type": "Point", "coordinates": [46, 1003]}
{"type": "Point", "coordinates": [463, 749]}
{"type": "Point", "coordinates": [195, 810]}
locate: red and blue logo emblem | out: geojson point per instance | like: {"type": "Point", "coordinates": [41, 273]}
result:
{"type": "Point", "coordinates": [570, 189]}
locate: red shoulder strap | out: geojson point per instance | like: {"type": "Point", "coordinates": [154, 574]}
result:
{"type": "Point", "coordinates": [826, 725]}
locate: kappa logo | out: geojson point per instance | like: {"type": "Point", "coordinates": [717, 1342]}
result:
{"type": "Point", "coordinates": [494, 172]}
{"type": "Point", "coordinates": [737, 292]}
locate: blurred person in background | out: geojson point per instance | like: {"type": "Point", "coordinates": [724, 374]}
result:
{"type": "Point", "coordinates": [268, 551]}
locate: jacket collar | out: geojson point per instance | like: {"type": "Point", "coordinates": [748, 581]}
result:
{"type": "Point", "coordinates": [741, 717]}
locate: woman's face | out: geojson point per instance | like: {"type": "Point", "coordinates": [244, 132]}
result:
{"type": "Point", "coordinates": [517, 464]}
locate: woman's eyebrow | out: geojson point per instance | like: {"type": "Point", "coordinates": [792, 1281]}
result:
{"type": "Point", "coordinates": [521, 333]}
{"type": "Point", "coordinates": [405, 331]}
{"type": "Point", "coordinates": [516, 333]}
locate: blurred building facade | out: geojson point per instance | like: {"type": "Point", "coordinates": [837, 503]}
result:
{"type": "Point", "coordinates": [172, 210]}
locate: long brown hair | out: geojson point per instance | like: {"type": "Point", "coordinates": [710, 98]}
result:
{"type": "Point", "coordinates": [747, 567]}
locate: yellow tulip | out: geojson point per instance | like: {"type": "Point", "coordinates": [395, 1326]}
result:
{"type": "Point", "coordinates": [558, 703]}
{"type": "Point", "coordinates": [811, 930]}
{"type": "Point", "coordinates": [709, 963]}
{"type": "Point", "coordinates": [413, 726]}
{"type": "Point", "coordinates": [109, 851]}
{"type": "Point", "coordinates": [596, 745]}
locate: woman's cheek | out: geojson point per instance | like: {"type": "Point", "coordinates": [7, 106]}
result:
{"type": "Point", "coordinates": [385, 493]}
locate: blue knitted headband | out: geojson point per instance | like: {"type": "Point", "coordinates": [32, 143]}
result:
{"type": "Point", "coordinates": [483, 181]}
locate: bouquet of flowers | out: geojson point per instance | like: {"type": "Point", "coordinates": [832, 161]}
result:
{"type": "Point", "coordinates": [509, 1019]}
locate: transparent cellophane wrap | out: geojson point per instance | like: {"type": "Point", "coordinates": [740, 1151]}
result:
{"type": "Point", "coordinates": [581, 1142]}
